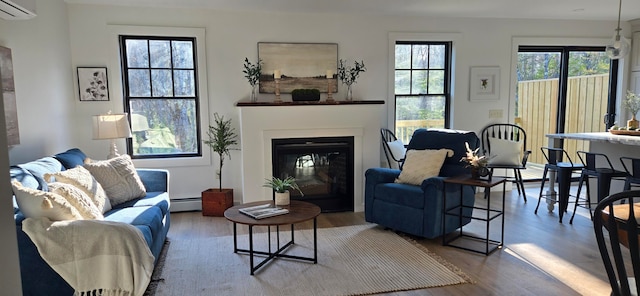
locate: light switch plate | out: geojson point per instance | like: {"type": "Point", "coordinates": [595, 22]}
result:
{"type": "Point", "coordinates": [495, 113]}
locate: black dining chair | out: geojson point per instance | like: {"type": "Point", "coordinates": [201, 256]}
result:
{"type": "Point", "coordinates": [632, 168]}
{"type": "Point", "coordinates": [615, 221]}
{"type": "Point", "coordinates": [598, 166]}
{"type": "Point", "coordinates": [558, 160]}
{"type": "Point", "coordinates": [506, 146]}
{"type": "Point", "coordinates": [393, 149]}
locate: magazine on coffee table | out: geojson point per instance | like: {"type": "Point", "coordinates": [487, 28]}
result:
{"type": "Point", "coordinates": [263, 211]}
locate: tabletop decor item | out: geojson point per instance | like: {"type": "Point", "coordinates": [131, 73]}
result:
{"type": "Point", "coordinates": [632, 103]}
{"type": "Point", "coordinates": [281, 188]}
{"type": "Point", "coordinates": [477, 163]}
{"type": "Point", "coordinates": [252, 73]}
{"type": "Point", "coordinates": [348, 75]}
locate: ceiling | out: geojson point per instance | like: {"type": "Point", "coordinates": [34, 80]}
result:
{"type": "Point", "coordinates": [529, 9]}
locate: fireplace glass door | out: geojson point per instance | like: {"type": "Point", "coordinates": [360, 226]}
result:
{"type": "Point", "coordinates": [322, 167]}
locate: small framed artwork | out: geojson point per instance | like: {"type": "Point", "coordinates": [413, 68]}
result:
{"type": "Point", "coordinates": [484, 84]}
{"type": "Point", "coordinates": [92, 84]}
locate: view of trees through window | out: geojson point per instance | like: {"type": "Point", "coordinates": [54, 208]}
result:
{"type": "Point", "coordinates": [161, 95]}
{"type": "Point", "coordinates": [421, 86]}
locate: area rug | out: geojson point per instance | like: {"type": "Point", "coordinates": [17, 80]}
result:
{"type": "Point", "coordinates": [352, 260]}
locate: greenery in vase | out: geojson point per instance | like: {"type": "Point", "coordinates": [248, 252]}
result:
{"type": "Point", "coordinates": [252, 71]}
{"type": "Point", "coordinates": [632, 103]}
{"type": "Point", "coordinates": [347, 74]}
{"type": "Point", "coordinates": [282, 185]}
{"type": "Point", "coordinates": [222, 138]}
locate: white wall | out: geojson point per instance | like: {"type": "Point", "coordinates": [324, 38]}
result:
{"type": "Point", "coordinates": [232, 36]}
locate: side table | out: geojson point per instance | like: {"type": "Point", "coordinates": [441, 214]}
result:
{"type": "Point", "coordinates": [490, 214]}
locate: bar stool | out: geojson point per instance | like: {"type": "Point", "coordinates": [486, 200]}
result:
{"type": "Point", "coordinates": [603, 174]}
{"type": "Point", "coordinates": [564, 169]}
{"type": "Point", "coordinates": [632, 168]}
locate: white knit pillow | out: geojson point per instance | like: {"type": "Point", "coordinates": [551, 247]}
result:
{"type": "Point", "coordinates": [422, 164]}
{"type": "Point", "coordinates": [82, 179]}
{"type": "Point", "coordinates": [35, 203]}
{"type": "Point", "coordinates": [505, 152]}
{"type": "Point", "coordinates": [78, 199]}
{"type": "Point", "coordinates": [118, 177]}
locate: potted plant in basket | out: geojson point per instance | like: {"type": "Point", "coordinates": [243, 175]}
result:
{"type": "Point", "coordinates": [281, 188]}
{"type": "Point", "coordinates": [222, 139]}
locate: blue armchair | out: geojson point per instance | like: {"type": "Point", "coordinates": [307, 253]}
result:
{"type": "Point", "coordinates": [417, 210]}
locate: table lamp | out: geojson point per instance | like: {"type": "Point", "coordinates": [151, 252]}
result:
{"type": "Point", "coordinates": [112, 127]}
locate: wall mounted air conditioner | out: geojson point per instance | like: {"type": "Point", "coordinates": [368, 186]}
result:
{"type": "Point", "coordinates": [17, 9]}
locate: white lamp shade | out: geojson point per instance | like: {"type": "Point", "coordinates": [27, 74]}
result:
{"type": "Point", "coordinates": [111, 126]}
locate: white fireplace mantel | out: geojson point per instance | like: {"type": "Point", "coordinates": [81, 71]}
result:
{"type": "Point", "coordinates": [260, 124]}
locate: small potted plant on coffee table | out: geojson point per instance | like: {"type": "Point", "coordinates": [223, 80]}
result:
{"type": "Point", "coordinates": [281, 188]}
{"type": "Point", "coordinates": [222, 138]}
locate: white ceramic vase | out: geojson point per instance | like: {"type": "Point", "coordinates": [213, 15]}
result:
{"type": "Point", "coordinates": [282, 199]}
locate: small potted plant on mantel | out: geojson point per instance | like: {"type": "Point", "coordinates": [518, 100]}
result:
{"type": "Point", "coordinates": [281, 188]}
{"type": "Point", "coordinates": [222, 138]}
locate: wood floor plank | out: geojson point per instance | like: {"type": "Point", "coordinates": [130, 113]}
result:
{"type": "Point", "coordinates": [540, 257]}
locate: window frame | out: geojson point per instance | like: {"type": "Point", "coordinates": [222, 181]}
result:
{"type": "Point", "coordinates": [127, 99]}
{"type": "Point", "coordinates": [113, 62]}
{"type": "Point", "coordinates": [452, 38]}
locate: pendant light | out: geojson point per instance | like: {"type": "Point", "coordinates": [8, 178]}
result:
{"type": "Point", "coordinates": [619, 45]}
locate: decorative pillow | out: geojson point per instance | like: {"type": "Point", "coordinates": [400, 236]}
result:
{"type": "Point", "coordinates": [83, 180]}
{"type": "Point", "coordinates": [35, 203]}
{"type": "Point", "coordinates": [78, 199]}
{"type": "Point", "coordinates": [422, 164]}
{"type": "Point", "coordinates": [118, 177]}
{"type": "Point", "coordinates": [397, 149]}
{"type": "Point", "coordinates": [504, 152]}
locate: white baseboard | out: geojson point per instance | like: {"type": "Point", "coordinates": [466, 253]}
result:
{"type": "Point", "coordinates": [186, 204]}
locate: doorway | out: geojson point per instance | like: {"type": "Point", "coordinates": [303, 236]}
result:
{"type": "Point", "coordinates": [563, 89]}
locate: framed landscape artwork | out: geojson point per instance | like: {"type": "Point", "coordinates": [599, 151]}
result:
{"type": "Point", "coordinates": [9, 96]}
{"type": "Point", "coordinates": [484, 83]}
{"type": "Point", "coordinates": [92, 84]}
{"type": "Point", "coordinates": [301, 65]}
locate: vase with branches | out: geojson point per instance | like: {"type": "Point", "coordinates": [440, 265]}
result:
{"type": "Point", "coordinates": [348, 75]}
{"type": "Point", "coordinates": [632, 103]}
{"type": "Point", "coordinates": [252, 72]}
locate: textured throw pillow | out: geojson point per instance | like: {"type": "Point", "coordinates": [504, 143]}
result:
{"type": "Point", "coordinates": [78, 199]}
{"type": "Point", "coordinates": [35, 203]}
{"type": "Point", "coordinates": [397, 149]}
{"type": "Point", "coordinates": [82, 179]}
{"type": "Point", "coordinates": [504, 152]}
{"type": "Point", "coordinates": [118, 177]}
{"type": "Point", "coordinates": [422, 164]}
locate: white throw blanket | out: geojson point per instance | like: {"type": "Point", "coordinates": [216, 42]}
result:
{"type": "Point", "coordinates": [94, 257]}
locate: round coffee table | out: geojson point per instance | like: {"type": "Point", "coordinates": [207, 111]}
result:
{"type": "Point", "coordinates": [299, 211]}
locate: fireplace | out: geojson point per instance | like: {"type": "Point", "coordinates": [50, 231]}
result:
{"type": "Point", "coordinates": [323, 168]}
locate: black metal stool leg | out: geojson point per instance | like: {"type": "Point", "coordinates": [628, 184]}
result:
{"type": "Point", "coordinates": [544, 178]}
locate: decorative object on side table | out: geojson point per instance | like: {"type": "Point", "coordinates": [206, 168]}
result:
{"type": "Point", "coordinates": [252, 73]}
{"type": "Point", "coordinates": [304, 94]}
{"type": "Point", "coordinates": [348, 75]}
{"type": "Point", "coordinates": [477, 164]}
{"type": "Point", "coordinates": [281, 188]}
{"type": "Point", "coordinates": [632, 103]}
{"type": "Point", "coordinates": [222, 138]}
{"type": "Point", "coordinates": [329, 82]}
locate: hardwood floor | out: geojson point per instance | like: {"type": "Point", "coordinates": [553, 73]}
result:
{"type": "Point", "coordinates": [540, 256]}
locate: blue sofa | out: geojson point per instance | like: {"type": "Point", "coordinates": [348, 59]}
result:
{"type": "Point", "coordinates": [150, 214]}
{"type": "Point", "coordinates": [417, 210]}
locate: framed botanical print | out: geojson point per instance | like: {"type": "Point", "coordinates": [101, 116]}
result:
{"type": "Point", "coordinates": [93, 84]}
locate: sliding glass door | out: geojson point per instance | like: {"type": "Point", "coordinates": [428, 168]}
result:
{"type": "Point", "coordinates": [563, 89]}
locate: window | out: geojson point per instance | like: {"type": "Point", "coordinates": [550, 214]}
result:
{"type": "Point", "coordinates": [161, 96]}
{"type": "Point", "coordinates": [422, 86]}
